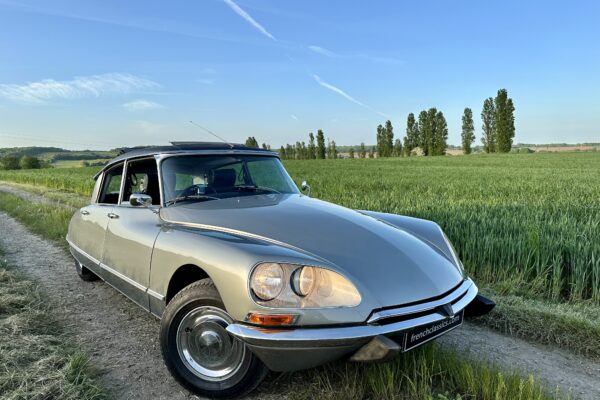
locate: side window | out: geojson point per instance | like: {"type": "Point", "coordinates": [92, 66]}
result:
{"type": "Point", "coordinates": [142, 177]}
{"type": "Point", "coordinates": [112, 185]}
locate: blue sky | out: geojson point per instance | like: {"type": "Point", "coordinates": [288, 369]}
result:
{"type": "Point", "coordinates": [99, 74]}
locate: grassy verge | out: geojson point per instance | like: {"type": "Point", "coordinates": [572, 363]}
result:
{"type": "Point", "coordinates": [47, 220]}
{"type": "Point", "coordinates": [429, 372]}
{"type": "Point", "coordinates": [37, 360]}
{"type": "Point", "coordinates": [573, 326]}
{"type": "Point", "coordinates": [63, 198]}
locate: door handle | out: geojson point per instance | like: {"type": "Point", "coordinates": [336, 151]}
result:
{"type": "Point", "coordinates": [83, 211]}
{"type": "Point", "coordinates": [112, 215]}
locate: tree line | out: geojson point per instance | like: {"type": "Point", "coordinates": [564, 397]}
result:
{"type": "Point", "coordinates": [425, 135]}
{"type": "Point", "coordinates": [11, 161]}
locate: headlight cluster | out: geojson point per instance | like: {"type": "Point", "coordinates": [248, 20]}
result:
{"type": "Point", "coordinates": [299, 286]}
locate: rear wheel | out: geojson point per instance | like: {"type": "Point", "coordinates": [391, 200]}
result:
{"type": "Point", "coordinates": [84, 273]}
{"type": "Point", "coordinates": [199, 351]}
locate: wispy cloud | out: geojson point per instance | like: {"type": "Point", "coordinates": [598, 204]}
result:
{"type": "Point", "coordinates": [141, 105]}
{"type": "Point", "coordinates": [337, 90]}
{"type": "Point", "coordinates": [237, 9]}
{"type": "Point", "coordinates": [205, 81]}
{"type": "Point", "coordinates": [322, 51]}
{"type": "Point", "coordinates": [78, 87]}
{"type": "Point", "coordinates": [342, 93]}
{"type": "Point", "coordinates": [294, 117]}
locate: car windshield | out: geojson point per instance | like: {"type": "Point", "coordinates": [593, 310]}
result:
{"type": "Point", "coordinates": [205, 178]}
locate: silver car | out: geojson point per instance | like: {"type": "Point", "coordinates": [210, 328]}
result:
{"type": "Point", "coordinates": [247, 273]}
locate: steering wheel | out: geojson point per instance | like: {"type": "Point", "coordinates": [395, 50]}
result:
{"type": "Point", "coordinates": [194, 190]}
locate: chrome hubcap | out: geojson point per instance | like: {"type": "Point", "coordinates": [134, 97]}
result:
{"type": "Point", "coordinates": [205, 347]}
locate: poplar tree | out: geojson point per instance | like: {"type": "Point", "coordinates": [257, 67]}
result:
{"type": "Point", "coordinates": [380, 140]}
{"type": "Point", "coordinates": [312, 149]}
{"type": "Point", "coordinates": [334, 151]}
{"type": "Point", "coordinates": [411, 140]}
{"type": "Point", "coordinates": [320, 144]}
{"type": "Point", "coordinates": [351, 152]}
{"type": "Point", "coordinates": [397, 148]}
{"type": "Point", "coordinates": [504, 121]}
{"type": "Point", "coordinates": [468, 130]}
{"type": "Point", "coordinates": [489, 126]}
{"type": "Point", "coordinates": [388, 139]}
{"type": "Point", "coordinates": [251, 142]}
{"type": "Point", "coordinates": [362, 153]}
{"type": "Point", "coordinates": [440, 134]}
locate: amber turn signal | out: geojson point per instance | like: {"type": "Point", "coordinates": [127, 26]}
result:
{"type": "Point", "coordinates": [271, 319]}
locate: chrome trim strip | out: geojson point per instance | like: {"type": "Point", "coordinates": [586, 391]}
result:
{"type": "Point", "coordinates": [336, 336]}
{"type": "Point", "coordinates": [116, 273]}
{"type": "Point", "coordinates": [400, 311]}
{"type": "Point", "coordinates": [123, 277]}
{"type": "Point", "coordinates": [156, 295]}
{"type": "Point", "coordinates": [83, 253]}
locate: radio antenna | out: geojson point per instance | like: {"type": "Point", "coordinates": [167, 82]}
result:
{"type": "Point", "coordinates": [212, 133]}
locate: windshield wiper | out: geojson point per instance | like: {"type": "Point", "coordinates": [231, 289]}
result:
{"type": "Point", "coordinates": [255, 188]}
{"type": "Point", "coordinates": [200, 197]}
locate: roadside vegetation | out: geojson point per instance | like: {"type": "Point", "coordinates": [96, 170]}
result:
{"type": "Point", "coordinates": [38, 358]}
{"type": "Point", "coordinates": [48, 221]}
{"type": "Point", "coordinates": [429, 372]}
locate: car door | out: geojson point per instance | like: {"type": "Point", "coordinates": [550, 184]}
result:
{"type": "Point", "coordinates": [131, 233]}
{"type": "Point", "coordinates": [87, 229]}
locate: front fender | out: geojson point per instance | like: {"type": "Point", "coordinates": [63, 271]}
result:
{"type": "Point", "coordinates": [228, 260]}
{"type": "Point", "coordinates": [426, 230]}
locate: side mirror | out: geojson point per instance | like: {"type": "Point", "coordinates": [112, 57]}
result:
{"type": "Point", "coordinates": [305, 187]}
{"type": "Point", "coordinates": [140, 200]}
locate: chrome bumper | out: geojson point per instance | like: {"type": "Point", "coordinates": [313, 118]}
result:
{"type": "Point", "coordinates": [314, 346]}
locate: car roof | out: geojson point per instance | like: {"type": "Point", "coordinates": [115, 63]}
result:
{"type": "Point", "coordinates": [207, 148]}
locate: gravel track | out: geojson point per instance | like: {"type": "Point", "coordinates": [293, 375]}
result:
{"type": "Point", "coordinates": [122, 339]}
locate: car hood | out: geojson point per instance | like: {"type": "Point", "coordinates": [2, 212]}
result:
{"type": "Point", "coordinates": [392, 265]}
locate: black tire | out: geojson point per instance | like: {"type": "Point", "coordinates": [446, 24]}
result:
{"type": "Point", "coordinates": [84, 273]}
{"type": "Point", "coordinates": [204, 295]}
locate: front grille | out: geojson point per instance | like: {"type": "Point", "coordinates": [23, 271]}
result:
{"type": "Point", "coordinates": [389, 315]}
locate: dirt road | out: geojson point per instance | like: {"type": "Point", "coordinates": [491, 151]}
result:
{"type": "Point", "coordinates": [122, 339]}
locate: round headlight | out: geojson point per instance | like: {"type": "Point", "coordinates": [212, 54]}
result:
{"type": "Point", "coordinates": [303, 280]}
{"type": "Point", "coordinates": [267, 281]}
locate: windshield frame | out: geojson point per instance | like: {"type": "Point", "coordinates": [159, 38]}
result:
{"type": "Point", "coordinates": [160, 158]}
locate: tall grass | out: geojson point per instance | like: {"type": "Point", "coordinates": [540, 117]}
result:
{"type": "Point", "coordinates": [425, 373]}
{"type": "Point", "coordinates": [74, 180]}
{"type": "Point", "coordinates": [47, 220]}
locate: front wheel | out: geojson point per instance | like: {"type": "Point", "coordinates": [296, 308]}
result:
{"type": "Point", "coordinates": [198, 350]}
